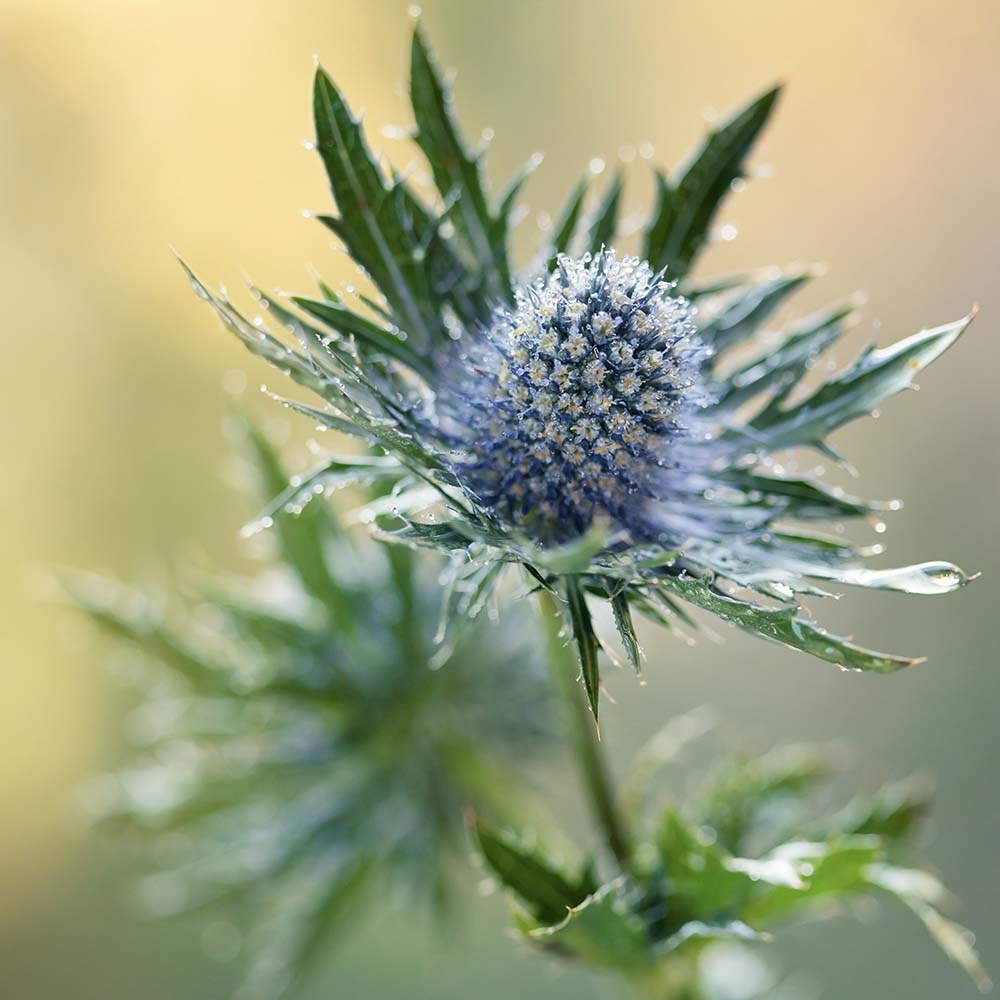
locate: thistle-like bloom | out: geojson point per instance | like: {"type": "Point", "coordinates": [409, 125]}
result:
{"type": "Point", "coordinates": [592, 381]}
{"type": "Point", "coordinates": [614, 427]}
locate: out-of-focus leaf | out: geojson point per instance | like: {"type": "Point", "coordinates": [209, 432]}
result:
{"type": "Point", "coordinates": [892, 812]}
{"type": "Point", "coordinates": [661, 750]}
{"type": "Point", "coordinates": [600, 931]}
{"type": "Point", "coordinates": [566, 227]}
{"type": "Point", "coordinates": [605, 224]}
{"type": "Point", "coordinates": [827, 869]}
{"type": "Point", "coordinates": [547, 892]}
{"type": "Point", "coordinates": [129, 615]}
{"type": "Point", "coordinates": [741, 796]}
{"type": "Point", "coordinates": [304, 536]}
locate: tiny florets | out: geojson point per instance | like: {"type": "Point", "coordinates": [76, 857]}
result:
{"type": "Point", "coordinates": [592, 374]}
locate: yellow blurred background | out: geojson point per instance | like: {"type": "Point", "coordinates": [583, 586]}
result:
{"type": "Point", "coordinates": [131, 125]}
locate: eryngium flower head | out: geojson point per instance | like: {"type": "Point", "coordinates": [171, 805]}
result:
{"type": "Point", "coordinates": [303, 740]}
{"type": "Point", "coordinates": [583, 421]}
{"type": "Point", "coordinates": [576, 396]}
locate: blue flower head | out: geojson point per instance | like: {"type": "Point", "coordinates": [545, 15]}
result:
{"type": "Point", "coordinates": [574, 400]}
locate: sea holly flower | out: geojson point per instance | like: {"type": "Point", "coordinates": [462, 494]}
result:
{"type": "Point", "coordinates": [619, 430]}
{"type": "Point", "coordinates": [304, 746]}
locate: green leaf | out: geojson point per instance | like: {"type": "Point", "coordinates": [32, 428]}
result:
{"type": "Point", "coordinates": [659, 228]}
{"type": "Point", "coordinates": [587, 645]}
{"type": "Point", "coordinates": [457, 174]}
{"type": "Point", "coordinates": [370, 335]}
{"type": "Point", "coordinates": [570, 557]}
{"type": "Point", "coordinates": [891, 813]}
{"type": "Point", "coordinates": [129, 615]}
{"type": "Point", "coordinates": [303, 537]}
{"type": "Point", "coordinates": [661, 750]}
{"type": "Point", "coordinates": [565, 228]}
{"type": "Point", "coordinates": [469, 584]}
{"type": "Point", "coordinates": [626, 630]}
{"type": "Point", "coordinates": [383, 226]}
{"type": "Point", "coordinates": [334, 473]}
{"type": "Point", "coordinates": [740, 802]}
{"type": "Point", "coordinates": [912, 888]}
{"type": "Point", "coordinates": [328, 911]}
{"type": "Point", "coordinates": [600, 931]}
{"type": "Point", "coordinates": [956, 942]}
{"type": "Point", "coordinates": [540, 885]}
{"type": "Point", "coordinates": [745, 314]}
{"type": "Point", "coordinates": [878, 374]}
{"type": "Point", "coordinates": [698, 930]}
{"type": "Point", "coordinates": [685, 208]}
{"type": "Point", "coordinates": [784, 363]}
{"type": "Point", "coordinates": [838, 869]}
{"type": "Point", "coordinates": [605, 224]}
{"type": "Point", "coordinates": [435, 536]}
{"type": "Point", "coordinates": [783, 625]}
{"type": "Point", "coordinates": [801, 499]}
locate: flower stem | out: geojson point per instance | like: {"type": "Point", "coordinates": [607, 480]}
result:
{"type": "Point", "coordinates": [583, 733]}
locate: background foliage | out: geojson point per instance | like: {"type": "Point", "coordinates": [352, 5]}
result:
{"type": "Point", "coordinates": [120, 147]}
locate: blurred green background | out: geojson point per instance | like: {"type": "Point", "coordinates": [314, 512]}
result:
{"type": "Point", "coordinates": [129, 125]}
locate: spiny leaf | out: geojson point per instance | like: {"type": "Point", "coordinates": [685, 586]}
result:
{"type": "Point", "coordinates": [745, 314]}
{"type": "Point", "coordinates": [303, 537]}
{"type": "Point", "coordinates": [699, 930]}
{"type": "Point", "coordinates": [349, 324]}
{"type": "Point", "coordinates": [686, 208]}
{"type": "Point", "coordinates": [456, 173]}
{"type": "Point", "coordinates": [600, 931]}
{"type": "Point", "coordinates": [891, 812]}
{"type": "Point", "coordinates": [803, 499]}
{"type": "Point", "coordinates": [565, 228]}
{"type": "Point", "coordinates": [435, 536]}
{"type": "Point", "coordinates": [783, 625]}
{"type": "Point", "coordinates": [878, 374]}
{"type": "Point", "coordinates": [605, 224]}
{"type": "Point", "coordinates": [837, 869]}
{"type": "Point", "coordinates": [541, 886]}
{"type": "Point", "coordinates": [782, 364]}
{"type": "Point", "coordinates": [128, 615]}
{"type": "Point", "coordinates": [373, 224]}
{"type": "Point", "coordinates": [587, 644]}
{"type": "Point", "coordinates": [626, 630]}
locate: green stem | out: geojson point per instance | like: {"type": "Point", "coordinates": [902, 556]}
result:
{"type": "Point", "coordinates": [583, 733]}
